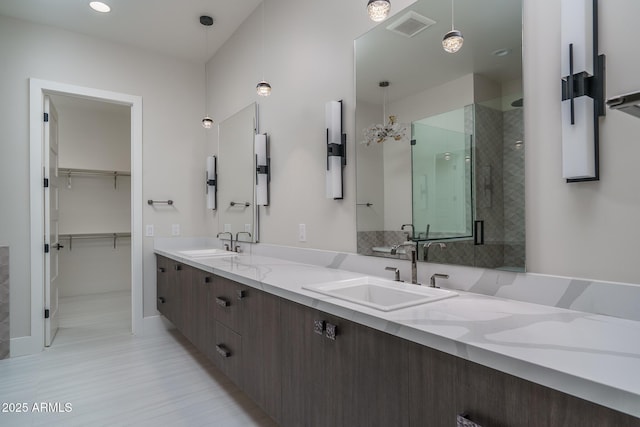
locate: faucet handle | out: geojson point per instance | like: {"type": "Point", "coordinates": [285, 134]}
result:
{"type": "Point", "coordinates": [396, 273]}
{"type": "Point", "coordinates": [432, 280]}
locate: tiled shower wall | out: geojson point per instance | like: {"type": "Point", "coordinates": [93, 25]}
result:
{"type": "Point", "coordinates": [513, 158]}
{"type": "Point", "coordinates": [4, 302]}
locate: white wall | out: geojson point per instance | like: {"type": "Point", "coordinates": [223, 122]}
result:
{"type": "Point", "coordinates": [582, 229]}
{"type": "Point", "coordinates": [173, 145]}
{"type": "Point", "coordinates": [308, 61]}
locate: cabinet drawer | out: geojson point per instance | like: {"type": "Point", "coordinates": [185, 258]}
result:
{"type": "Point", "coordinates": [226, 299]}
{"type": "Point", "coordinates": [227, 352]}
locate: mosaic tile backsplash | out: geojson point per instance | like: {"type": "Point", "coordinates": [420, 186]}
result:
{"type": "Point", "coordinates": [4, 302]}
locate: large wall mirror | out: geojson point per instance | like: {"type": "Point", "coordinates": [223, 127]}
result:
{"type": "Point", "coordinates": [449, 174]}
{"type": "Point", "coordinates": [237, 213]}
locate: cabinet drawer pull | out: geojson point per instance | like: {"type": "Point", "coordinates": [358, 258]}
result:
{"type": "Point", "coordinates": [223, 351]}
{"type": "Point", "coordinates": [241, 294]}
{"type": "Point", "coordinates": [161, 269]}
{"type": "Point", "coordinates": [331, 331]}
{"type": "Point", "coordinates": [222, 302]}
{"type": "Point", "coordinates": [318, 326]}
{"type": "Point", "coordinates": [162, 300]}
{"type": "Point", "coordinates": [177, 267]}
{"type": "Point", "coordinates": [207, 279]}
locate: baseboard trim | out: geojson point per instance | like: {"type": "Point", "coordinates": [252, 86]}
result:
{"type": "Point", "coordinates": [23, 346]}
{"type": "Point", "coordinates": [155, 325]}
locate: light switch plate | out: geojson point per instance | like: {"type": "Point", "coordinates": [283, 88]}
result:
{"type": "Point", "coordinates": [175, 229]}
{"type": "Point", "coordinates": [149, 230]}
{"type": "Point", "coordinates": [302, 232]}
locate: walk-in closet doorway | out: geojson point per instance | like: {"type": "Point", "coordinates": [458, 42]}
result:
{"type": "Point", "coordinates": [93, 284]}
{"type": "Point", "coordinates": [95, 237]}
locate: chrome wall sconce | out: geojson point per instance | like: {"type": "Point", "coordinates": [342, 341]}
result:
{"type": "Point", "coordinates": [263, 169]}
{"type": "Point", "coordinates": [211, 178]}
{"type": "Point", "coordinates": [583, 78]}
{"type": "Point", "coordinates": [336, 150]}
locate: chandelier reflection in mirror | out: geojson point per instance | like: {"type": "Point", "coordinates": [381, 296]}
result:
{"type": "Point", "coordinates": [390, 129]}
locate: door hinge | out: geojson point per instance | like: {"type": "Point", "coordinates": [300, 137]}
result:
{"type": "Point", "coordinates": [46, 183]}
{"type": "Point", "coordinates": [46, 117]}
{"type": "Point", "coordinates": [46, 248]}
{"type": "Point", "coordinates": [46, 313]}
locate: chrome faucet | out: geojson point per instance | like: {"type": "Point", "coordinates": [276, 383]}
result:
{"type": "Point", "coordinates": [396, 271]}
{"type": "Point", "coordinates": [229, 246]}
{"type": "Point", "coordinates": [432, 280]}
{"type": "Point", "coordinates": [425, 256]}
{"type": "Point", "coordinates": [238, 249]}
{"type": "Point", "coordinates": [412, 248]}
{"type": "Point", "coordinates": [409, 237]}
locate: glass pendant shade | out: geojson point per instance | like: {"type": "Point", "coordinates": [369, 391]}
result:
{"type": "Point", "coordinates": [263, 88]}
{"type": "Point", "coordinates": [378, 9]}
{"type": "Point", "coordinates": [452, 41]}
{"type": "Point", "coordinates": [207, 122]}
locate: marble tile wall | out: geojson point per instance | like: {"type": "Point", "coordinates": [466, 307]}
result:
{"type": "Point", "coordinates": [4, 302]}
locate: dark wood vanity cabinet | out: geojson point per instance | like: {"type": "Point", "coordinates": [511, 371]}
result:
{"type": "Point", "coordinates": [305, 367]}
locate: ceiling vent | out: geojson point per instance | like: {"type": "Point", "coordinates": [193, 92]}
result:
{"type": "Point", "coordinates": [410, 24]}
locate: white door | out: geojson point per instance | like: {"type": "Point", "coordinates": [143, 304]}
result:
{"type": "Point", "coordinates": [51, 198]}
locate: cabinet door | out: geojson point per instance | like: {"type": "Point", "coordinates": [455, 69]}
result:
{"type": "Point", "coordinates": [180, 290]}
{"type": "Point", "coordinates": [162, 285]}
{"type": "Point", "coordinates": [317, 372]}
{"type": "Point", "coordinates": [261, 349]}
{"type": "Point", "coordinates": [201, 282]}
{"type": "Point", "coordinates": [381, 394]}
{"type": "Point", "coordinates": [434, 381]}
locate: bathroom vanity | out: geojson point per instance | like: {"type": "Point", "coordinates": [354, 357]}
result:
{"type": "Point", "coordinates": [310, 359]}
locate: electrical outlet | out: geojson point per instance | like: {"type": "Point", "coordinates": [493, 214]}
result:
{"type": "Point", "coordinates": [175, 229]}
{"type": "Point", "coordinates": [247, 228]}
{"type": "Point", "coordinates": [227, 228]}
{"type": "Point", "coordinates": [302, 232]}
{"type": "Point", "coordinates": [149, 230]}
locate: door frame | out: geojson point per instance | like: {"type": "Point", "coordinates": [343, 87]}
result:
{"type": "Point", "coordinates": [37, 90]}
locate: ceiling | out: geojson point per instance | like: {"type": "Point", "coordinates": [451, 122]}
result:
{"type": "Point", "coordinates": [169, 27]}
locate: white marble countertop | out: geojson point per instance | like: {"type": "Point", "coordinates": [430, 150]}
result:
{"type": "Point", "coordinates": [590, 356]}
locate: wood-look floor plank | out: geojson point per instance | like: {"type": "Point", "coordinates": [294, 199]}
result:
{"type": "Point", "coordinates": [112, 378]}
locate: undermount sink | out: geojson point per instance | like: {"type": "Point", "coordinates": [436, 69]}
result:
{"type": "Point", "coordinates": [207, 253]}
{"type": "Point", "coordinates": [381, 294]}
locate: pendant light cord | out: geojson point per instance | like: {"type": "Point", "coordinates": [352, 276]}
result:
{"type": "Point", "coordinates": [263, 28]}
{"type": "Point", "coordinates": [452, 26]}
{"type": "Point", "coordinates": [206, 75]}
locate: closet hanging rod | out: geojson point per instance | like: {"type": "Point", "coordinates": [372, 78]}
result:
{"type": "Point", "coordinates": [85, 236]}
{"type": "Point", "coordinates": [159, 202]}
{"type": "Point", "coordinates": [91, 172]}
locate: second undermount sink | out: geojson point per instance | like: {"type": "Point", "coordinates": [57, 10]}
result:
{"type": "Point", "coordinates": [207, 253]}
{"type": "Point", "coordinates": [381, 294]}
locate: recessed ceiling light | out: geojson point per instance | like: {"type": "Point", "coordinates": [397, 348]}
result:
{"type": "Point", "coordinates": [501, 52]}
{"type": "Point", "coordinates": [98, 6]}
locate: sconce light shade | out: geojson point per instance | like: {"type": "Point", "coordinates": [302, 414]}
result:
{"type": "Point", "coordinates": [378, 9]}
{"type": "Point", "coordinates": [452, 41]}
{"type": "Point", "coordinates": [582, 90]}
{"type": "Point", "coordinates": [263, 166]}
{"type": "Point", "coordinates": [211, 182]}
{"type": "Point", "coordinates": [207, 122]}
{"type": "Point", "coordinates": [263, 88]}
{"type": "Point", "coordinates": [336, 150]}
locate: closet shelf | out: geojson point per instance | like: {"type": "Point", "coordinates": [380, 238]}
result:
{"type": "Point", "coordinates": [85, 236]}
{"type": "Point", "coordinates": [69, 172]}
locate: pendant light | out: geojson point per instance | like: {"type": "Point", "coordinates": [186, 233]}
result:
{"type": "Point", "coordinates": [378, 9]}
{"type": "Point", "coordinates": [263, 88]}
{"type": "Point", "coordinates": [452, 41]}
{"type": "Point", "coordinates": [206, 21]}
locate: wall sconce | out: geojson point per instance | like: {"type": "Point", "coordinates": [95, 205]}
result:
{"type": "Point", "coordinates": [582, 90]}
{"type": "Point", "coordinates": [211, 182]}
{"type": "Point", "coordinates": [263, 169]}
{"type": "Point", "coordinates": [336, 149]}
